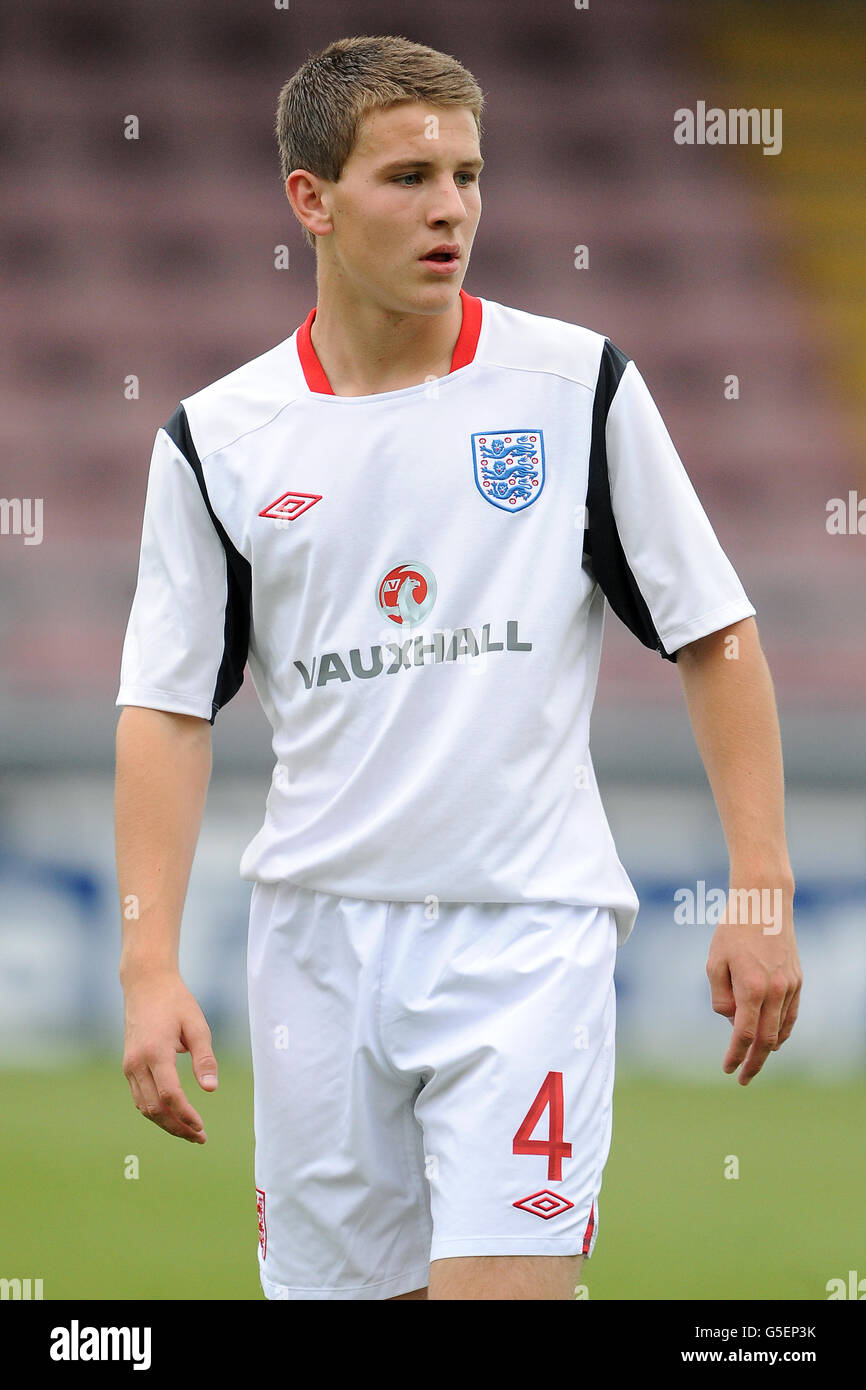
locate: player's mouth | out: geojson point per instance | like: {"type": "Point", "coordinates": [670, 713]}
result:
{"type": "Point", "coordinates": [443, 259]}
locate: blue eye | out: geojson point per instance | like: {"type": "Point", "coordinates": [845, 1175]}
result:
{"type": "Point", "coordinates": [464, 174]}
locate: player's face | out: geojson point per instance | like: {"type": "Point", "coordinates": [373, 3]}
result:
{"type": "Point", "coordinates": [409, 186]}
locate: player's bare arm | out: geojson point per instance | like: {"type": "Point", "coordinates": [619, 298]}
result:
{"type": "Point", "coordinates": [162, 776]}
{"type": "Point", "coordinates": [753, 966]}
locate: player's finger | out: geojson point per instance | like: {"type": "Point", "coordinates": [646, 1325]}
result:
{"type": "Point", "coordinates": [745, 1032]}
{"type": "Point", "coordinates": [137, 1097]}
{"type": "Point", "coordinates": [149, 1103]}
{"type": "Point", "coordinates": [138, 1075]}
{"type": "Point", "coordinates": [173, 1101]}
{"type": "Point", "coordinates": [789, 1016]}
{"type": "Point", "coordinates": [721, 992]}
{"type": "Point", "coordinates": [767, 1035]}
{"type": "Point", "coordinates": [164, 1119]}
{"type": "Point", "coordinates": [204, 1064]}
{"type": "Point", "coordinates": [167, 1122]}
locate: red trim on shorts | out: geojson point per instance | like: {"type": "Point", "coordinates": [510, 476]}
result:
{"type": "Point", "coordinates": [464, 348]}
{"type": "Point", "coordinates": [263, 1229]}
{"type": "Point", "coordinates": [590, 1227]}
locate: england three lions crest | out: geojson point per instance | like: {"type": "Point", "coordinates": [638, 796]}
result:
{"type": "Point", "coordinates": [509, 467]}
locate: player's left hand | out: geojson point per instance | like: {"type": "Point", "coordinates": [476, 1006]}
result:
{"type": "Point", "coordinates": [755, 978]}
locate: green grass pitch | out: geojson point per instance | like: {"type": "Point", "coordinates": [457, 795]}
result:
{"type": "Point", "coordinates": [672, 1226]}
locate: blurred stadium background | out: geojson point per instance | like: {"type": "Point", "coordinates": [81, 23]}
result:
{"type": "Point", "coordinates": [154, 258]}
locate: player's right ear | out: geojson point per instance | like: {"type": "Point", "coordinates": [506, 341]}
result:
{"type": "Point", "coordinates": [304, 192]}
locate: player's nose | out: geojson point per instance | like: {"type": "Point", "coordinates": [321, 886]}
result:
{"type": "Point", "coordinates": [447, 204]}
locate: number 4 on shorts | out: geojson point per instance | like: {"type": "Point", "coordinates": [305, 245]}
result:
{"type": "Point", "coordinates": [554, 1145]}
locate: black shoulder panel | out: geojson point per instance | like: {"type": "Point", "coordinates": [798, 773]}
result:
{"type": "Point", "coordinates": [602, 544]}
{"type": "Point", "coordinates": [236, 638]}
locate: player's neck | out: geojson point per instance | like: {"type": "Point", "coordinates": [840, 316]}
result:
{"type": "Point", "coordinates": [365, 349]}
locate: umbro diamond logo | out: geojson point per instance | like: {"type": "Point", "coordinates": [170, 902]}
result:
{"type": "Point", "coordinates": [544, 1204]}
{"type": "Point", "coordinates": [291, 505]}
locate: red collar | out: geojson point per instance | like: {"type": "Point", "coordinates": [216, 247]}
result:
{"type": "Point", "coordinates": [464, 348]}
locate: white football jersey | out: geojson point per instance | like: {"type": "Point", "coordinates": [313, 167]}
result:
{"type": "Point", "coordinates": [417, 580]}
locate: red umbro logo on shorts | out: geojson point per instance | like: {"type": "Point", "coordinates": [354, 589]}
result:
{"type": "Point", "coordinates": [291, 505]}
{"type": "Point", "coordinates": [544, 1204]}
{"type": "Point", "coordinates": [263, 1230]}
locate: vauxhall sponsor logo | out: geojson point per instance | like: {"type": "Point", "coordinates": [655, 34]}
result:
{"type": "Point", "coordinates": [406, 595]}
{"type": "Point", "coordinates": [415, 651]}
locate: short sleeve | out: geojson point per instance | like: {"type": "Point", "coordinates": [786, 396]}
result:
{"type": "Point", "coordinates": [186, 640]}
{"type": "Point", "coordinates": [649, 543]}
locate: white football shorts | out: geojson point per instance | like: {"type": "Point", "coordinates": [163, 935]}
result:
{"type": "Point", "coordinates": [430, 1081]}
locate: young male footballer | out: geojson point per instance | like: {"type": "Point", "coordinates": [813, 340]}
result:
{"type": "Point", "coordinates": [407, 519]}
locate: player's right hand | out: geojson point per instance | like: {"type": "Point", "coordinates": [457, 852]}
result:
{"type": "Point", "coordinates": [162, 1019]}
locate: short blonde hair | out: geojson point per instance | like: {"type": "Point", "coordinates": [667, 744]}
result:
{"type": "Point", "coordinates": [322, 106]}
